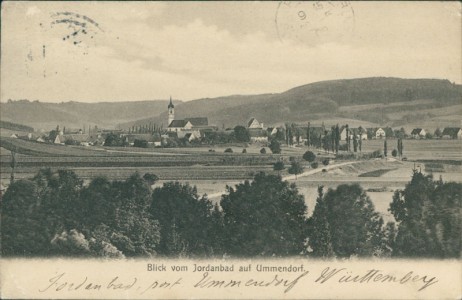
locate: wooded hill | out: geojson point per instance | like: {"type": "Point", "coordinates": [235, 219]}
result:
{"type": "Point", "coordinates": [376, 101]}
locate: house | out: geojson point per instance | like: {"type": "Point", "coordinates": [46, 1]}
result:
{"type": "Point", "coordinates": [59, 139]}
{"type": "Point", "coordinates": [254, 124]}
{"type": "Point", "coordinates": [191, 136]}
{"type": "Point", "coordinates": [77, 139]}
{"type": "Point", "coordinates": [452, 133]}
{"type": "Point", "coordinates": [40, 140]}
{"type": "Point", "coordinates": [379, 133]}
{"type": "Point", "coordinates": [418, 133]}
{"type": "Point", "coordinates": [149, 138]}
{"type": "Point", "coordinates": [258, 135]}
{"type": "Point", "coordinates": [359, 132]}
{"type": "Point", "coordinates": [14, 136]}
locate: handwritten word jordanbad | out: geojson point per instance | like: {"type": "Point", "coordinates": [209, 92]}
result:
{"type": "Point", "coordinates": [222, 276]}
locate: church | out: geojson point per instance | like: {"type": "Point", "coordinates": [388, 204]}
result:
{"type": "Point", "coordinates": [190, 127]}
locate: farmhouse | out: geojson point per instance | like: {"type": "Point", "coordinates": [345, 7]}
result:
{"type": "Point", "coordinates": [452, 133]}
{"type": "Point", "coordinates": [418, 133]}
{"type": "Point", "coordinates": [258, 135]}
{"type": "Point", "coordinates": [377, 133]}
{"type": "Point", "coordinates": [77, 139]}
{"type": "Point", "coordinates": [359, 132]}
{"type": "Point", "coordinates": [254, 124]}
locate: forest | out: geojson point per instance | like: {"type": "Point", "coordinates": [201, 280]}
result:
{"type": "Point", "coordinates": [55, 214]}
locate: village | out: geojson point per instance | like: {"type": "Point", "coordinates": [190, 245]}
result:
{"type": "Point", "coordinates": [196, 131]}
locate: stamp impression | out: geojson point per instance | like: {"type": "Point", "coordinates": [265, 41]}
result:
{"type": "Point", "coordinates": [315, 22]}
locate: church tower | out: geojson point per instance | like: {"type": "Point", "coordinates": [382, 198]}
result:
{"type": "Point", "coordinates": [171, 112]}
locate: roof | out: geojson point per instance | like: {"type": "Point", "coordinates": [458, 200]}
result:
{"type": "Point", "coordinates": [76, 137]}
{"type": "Point", "coordinates": [145, 137]}
{"type": "Point", "coordinates": [451, 131]}
{"type": "Point", "coordinates": [251, 121]}
{"type": "Point", "coordinates": [199, 121]}
{"type": "Point", "coordinates": [416, 131]}
{"type": "Point", "coordinates": [178, 123]}
{"type": "Point", "coordinates": [170, 105]}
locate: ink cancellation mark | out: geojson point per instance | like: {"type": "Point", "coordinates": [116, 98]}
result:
{"type": "Point", "coordinates": [75, 28]}
{"type": "Point", "coordinates": [314, 22]}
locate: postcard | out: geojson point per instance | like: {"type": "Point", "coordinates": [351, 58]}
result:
{"type": "Point", "coordinates": [231, 150]}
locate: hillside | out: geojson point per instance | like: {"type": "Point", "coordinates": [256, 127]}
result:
{"type": "Point", "coordinates": [370, 101]}
{"type": "Point", "coordinates": [42, 115]}
{"type": "Point", "coordinates": [376, 101]}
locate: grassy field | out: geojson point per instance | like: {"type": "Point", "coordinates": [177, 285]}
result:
{"type": "Point", "coordinates": [420, 149]}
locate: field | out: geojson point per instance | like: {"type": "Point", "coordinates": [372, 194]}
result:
{"type": "Point", "coordinates": [211, 171]}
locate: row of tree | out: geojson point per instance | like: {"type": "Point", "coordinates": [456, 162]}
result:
{"type": "Point", "coordinates": [55, 214]}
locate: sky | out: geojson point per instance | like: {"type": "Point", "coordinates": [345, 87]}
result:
{"type": "Point", "coordinates": [129, 51]}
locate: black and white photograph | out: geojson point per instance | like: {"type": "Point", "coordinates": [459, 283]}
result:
{"type": "Point", "coordinates": [231, 150]}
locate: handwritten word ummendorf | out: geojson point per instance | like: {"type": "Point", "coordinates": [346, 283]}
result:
{"type": "Point", "coordinates": [208, 282]}
{"type": "Point", "coordinates": [344, 276]}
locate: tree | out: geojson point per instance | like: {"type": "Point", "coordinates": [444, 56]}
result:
{"type": "Point", "coordinates": [400, 147]}
{"type": "Point", "coordinates": [22, 230]}
{"type": "Point", "coordinates": [140, 143]}
{"type": "Point", "coordinates": [428, 216]}
{"type": "Point", "coordinates": [244, 150]}
{"type": "Point", "coordinates": [347, 128]}
{"type": "Point", "coordinates": [309, 156]}
{"type": "Point", "coordinates": [278, 166]}
{"type": "Point", "coordinates": [263, 151]}
{"type": "Point", "coordinates": [346, 221]}
{"type": "Point", "coordinates": [308, 134]}
{"type": "Point", "coordinates": [150, 178]}
{"type": "Point", "coordinates": [314, 165]}
{"type": "Point", "coordinates": [385, 148]}
{"type": "Point", "coordinates": [355, 143]}
{"type": "Point", "coordinates": [114, 140]}
{"type": "Point", "coordinates": [394, 153]}
{"type": "Point", "coordinates": [228, 150]}
{"type": "Point", "coordinates": [241, 134]}
{"type": "Point", "coordinates": [438, 133]}
{"type": "Point", "coordinates": [275, 146]}
{"type": "Point", "coordinates": [264, 217]}
{"type": "Point", "coordinates": [13, 164]}
{"type": "Point", "coordinates": [320, 239]}
{"type": "Point", "coordinates": [325, 161]}
{"type": "Point", "coordinates": [295, 168]}
{"type": "Point", "coordinates": [185, 220]}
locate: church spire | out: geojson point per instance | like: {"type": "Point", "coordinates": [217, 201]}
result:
{"type": "Point", "coordinates": [171, 112]}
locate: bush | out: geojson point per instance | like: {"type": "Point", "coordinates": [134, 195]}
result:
{"type": "Point", "coordinates": [325, 161]}
{"type": "Point", "coordinates": [314, 164]}
{"type": "Point", "coordinates": [263, 151]}
{"type": "Point", "coordinates": [71, 142]}
{"type": "Point", "coordinates": [309, 156]}
{"type": "Point", "coordinates": [278, 166]}
{"type": "Point", "coordinates": [275, 146]}
{"type": "Point", "coordinates": [211, 150]}
{"type": "Point", "coordinates": [343, 147]}
{"type": "Point", "coordinates": [140, 143]}
{"type": "Point", "coordinates": [394, 153]}
{"type": "Point", "coordinates": [229, 150]}
{"type": "Point", "coordinates": [244, 150]}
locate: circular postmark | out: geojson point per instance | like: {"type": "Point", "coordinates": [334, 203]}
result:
{"type": "Point", "coordinates": [75, 28]}
{"type": "Point", "coordinates": [315, 22]}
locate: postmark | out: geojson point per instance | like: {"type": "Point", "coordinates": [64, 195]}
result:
{"type": "Point", "coordinates": [74, 28]}
{"type": "Point", "coordinates": [315, 22]}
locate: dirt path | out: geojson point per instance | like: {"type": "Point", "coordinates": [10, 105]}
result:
{"type": "Point", "coordinates": [292, 177]}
